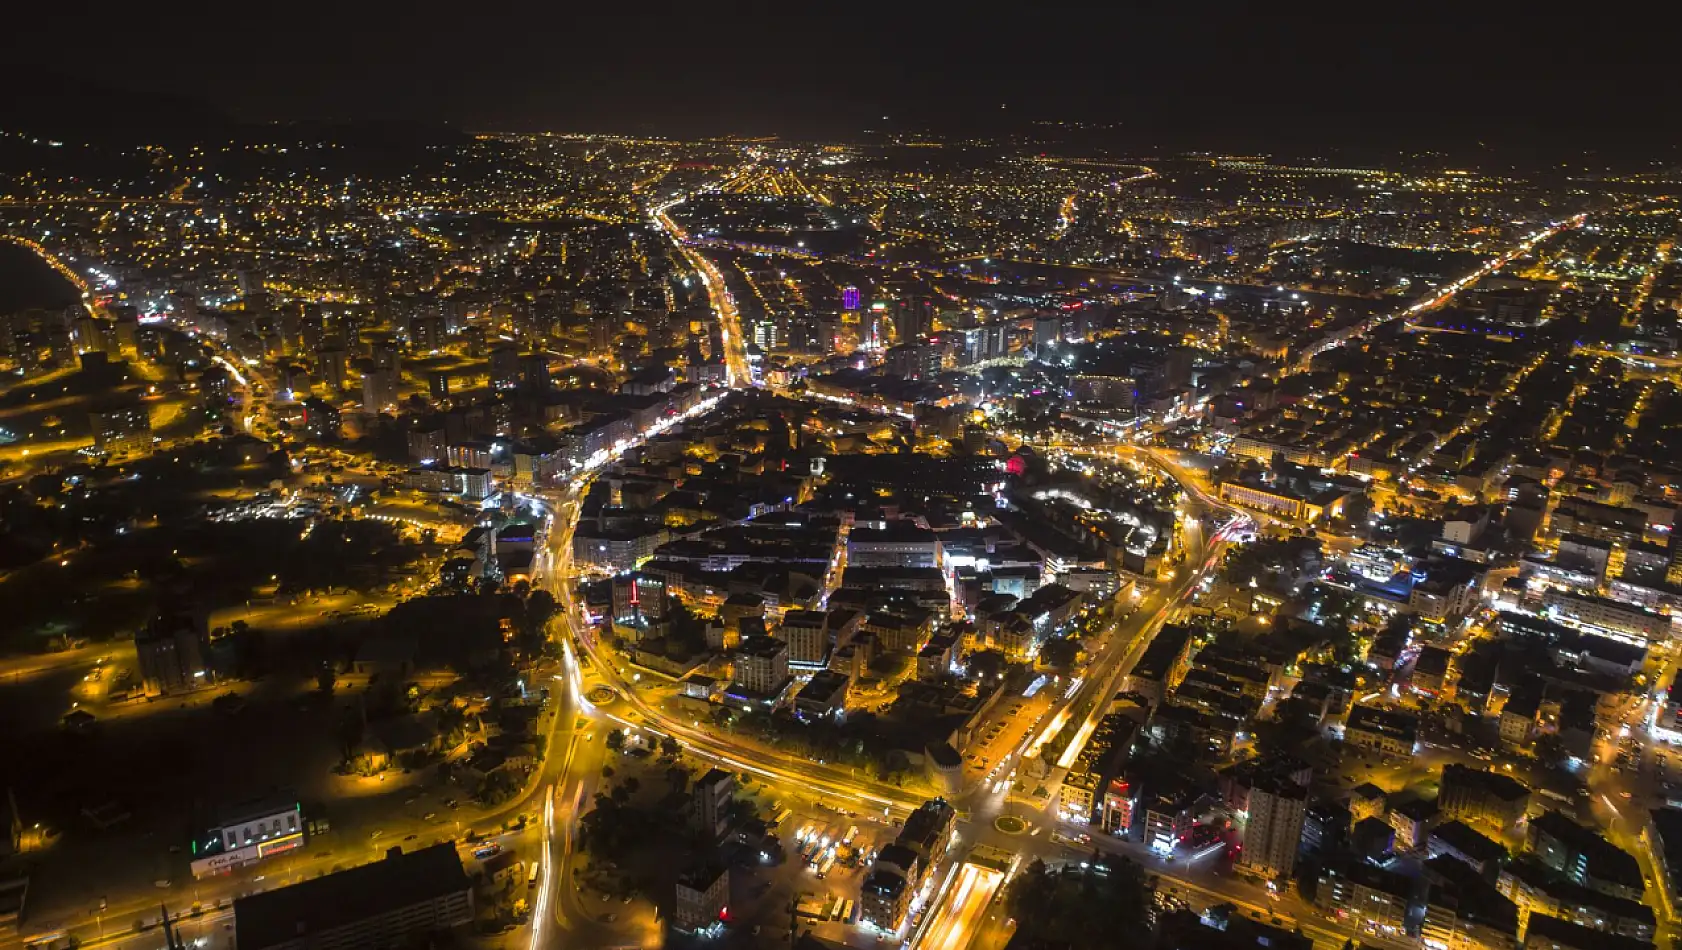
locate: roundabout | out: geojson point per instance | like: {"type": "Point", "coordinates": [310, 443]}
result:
{"type": "Point", "coordinates": [1010, 824]}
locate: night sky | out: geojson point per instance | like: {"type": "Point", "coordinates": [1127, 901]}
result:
{"type": "Point", "coordinates": [1280, 75]}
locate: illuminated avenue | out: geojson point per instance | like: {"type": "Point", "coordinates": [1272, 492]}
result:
{"type": "Point", "coordinates": [901, 539]}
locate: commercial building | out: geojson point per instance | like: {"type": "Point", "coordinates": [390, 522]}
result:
{"type": "Point", "coordinates": [1285, 502]}
{"type": "Point", "coordinates": [639, 599]}
{"type": "Point", "coordinates": [824, 697]}
{"type": "Point", "coordinates": [902, 867]}
{"type": "Point", "coordinates": [1464, 912]}
{"type": "Point", "coordinates": [1366, 897]}
{"type": "Point", "coordinates": [1099, 761]}
{"type": "Point", "coordinates": [1661, 834]}
{"type": "Point", "coordinates": [616, 549]}
{"type": "Point", "coordinates": [472, 484]}
{"type": "Point", "coordinates": [247, 834]}
{"type": "Point", "coordinates": [372, 907]}
{"type": "Point", "coordinates": [897, 544]}
{"type": "Point", "coordinates": [884, 899]}
{"type": "Point", "coordinates": [1121, 801]}
{"type": "Point", "coordinates": [702, 898]}
{"type": "Point", "coordinates": [1542, 891]}
{"type": "Point", "coordinates": [1382, 731]}
{"type": "Point", "coordinates": [1610, 618]}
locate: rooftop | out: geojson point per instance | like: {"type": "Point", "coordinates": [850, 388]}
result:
{"type": "Point", "coordinates": [325, 903]}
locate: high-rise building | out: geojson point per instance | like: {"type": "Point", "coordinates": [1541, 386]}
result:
{"type": "Point", "coordinates": [505, 366]}
{"type": "Point", "coordinates": [332, 367]}
{"type": "Point", "coordinates": [428, 444]}
{"type": "Point", "coordinates": [426, 333]}
{"type": "Point", "coordinates": [710, 803]}
{"type": "Point", "coordinates": [1273, 831]}
{"type": "Point", "coordinates": [914, 317]}
{"type": "Point", "coordinates": [761, 669]}
{"type": "Point", "coordinates": [312, 329]}
{"type": "Point", "coordinates": [638, 599]}
{"type": "Point", "coordinates": [94, 335]}
{"type": "Point", "coordinates": [603, 329]}
{"type": "Point", "coordinates": [918, 360]}
{"type": "Point", "coordinates": [383, 351]}
{"type": "Point", "coordinates": [985, 342]}
{"type": "Point", "coordinates": [702, 898]}
{"type": "Point", "coordinates": [321, 419]}
{"type": "Point", "coordinates": [884, 898]}
{"type": "Point", "coordinates": [850, 298]}
{"type": "Point", "coordinates": [808, 637]}
{"type": "Point", "coordinates": [215, 387]}
{"type": "Point", "coordinates": [534, 372]}
{"type": "Point", "coordinates": [379, 391]}
{"type": "Point", "coordinates": [120, 429]}
{"type": "Point", "coordinates": [1048, 333]}
{"type": "Point", "coordinates": [438, 385]}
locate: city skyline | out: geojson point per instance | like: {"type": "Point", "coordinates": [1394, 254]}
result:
{"type": "Point", "coordinates": [868, 478]}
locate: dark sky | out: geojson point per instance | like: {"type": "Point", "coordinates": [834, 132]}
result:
{"type": "Point", "coordinates": [1281, 74]}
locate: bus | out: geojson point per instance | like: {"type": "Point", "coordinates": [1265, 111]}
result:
{"type": "Point", "coordinates": [846, 913]}
{"type": "Point", "coordinates": [781, 817]}
{"type": "Point", "coordinates": [531, 876]}
{"type": "Point", "coordinates": [852, 833]}
{"type": "Point", "coordinates": [828, 862]}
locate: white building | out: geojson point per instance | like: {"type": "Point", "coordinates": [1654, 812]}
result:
{"type": "Point", "coordinates": [247, 834]}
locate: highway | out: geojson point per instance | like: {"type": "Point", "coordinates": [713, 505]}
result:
{"type": "Point", "coordinates": [724, 305]}
{"type": "Point", "coordinates": [1442, 296]}
{"type": "Point", "coordinates": [956, 919]}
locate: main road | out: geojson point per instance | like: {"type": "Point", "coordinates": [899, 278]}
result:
{"type": "Point", "coordinates": [1122, 645]}
{"type": "Point", "coordinates": [723, 302]}
{"type": "Point", "coordinates": [1443, 296]}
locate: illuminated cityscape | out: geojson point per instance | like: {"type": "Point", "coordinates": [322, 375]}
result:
{"type": "Point", "coordinates": [949, 517]}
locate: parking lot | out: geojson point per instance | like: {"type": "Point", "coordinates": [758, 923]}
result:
{"type": "Point", "coordinates": [1013, 722]}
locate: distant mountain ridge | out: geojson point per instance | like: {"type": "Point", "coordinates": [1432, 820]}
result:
{"type": "Point", "coordinates": [85, 110]}
{"type": "Point", "coordinates": [73, 108]}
